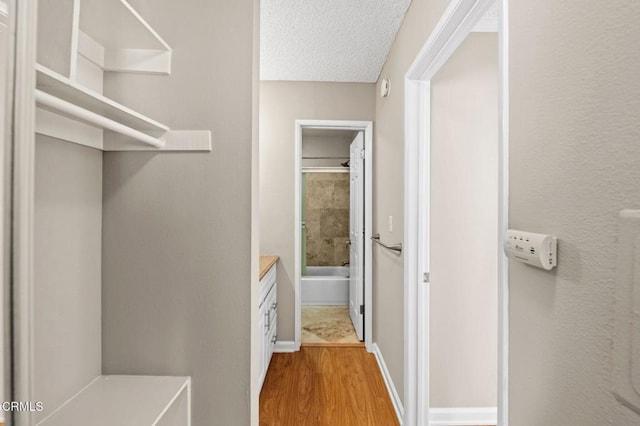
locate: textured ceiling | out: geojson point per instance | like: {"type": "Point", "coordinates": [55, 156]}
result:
{"type": "Point", "coordinates": [327, 40]}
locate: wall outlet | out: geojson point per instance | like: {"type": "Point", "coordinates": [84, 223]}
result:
{"type": "Point", "coordinates": [390, 224]}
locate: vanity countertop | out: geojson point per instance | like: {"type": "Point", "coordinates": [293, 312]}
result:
{"type": "Point", "coordinates": [266, 262]}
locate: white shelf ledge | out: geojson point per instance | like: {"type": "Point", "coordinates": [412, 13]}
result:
{"type": "Point", "coordinates": [61, 87]}
{"type": "Point", "coordinates": [125, 401]}
{"type": "Point", "coordinates": [91, 118]}
{"type": "Point", "coordinates": [116, 25]}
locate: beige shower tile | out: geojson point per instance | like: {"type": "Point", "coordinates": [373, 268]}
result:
{"type": "Point", "coordinates": [313, 225]}
{"type": "Point", "coordinates": [320, 195]}
{"type": "Point", "coordinates": [341, 194]}
{"type": "Point", "coordinates": [341, 250]}
{"type": "Point", "coordinates": [335, 223]}
{"type": "Point", "coordinates": [320, 252]}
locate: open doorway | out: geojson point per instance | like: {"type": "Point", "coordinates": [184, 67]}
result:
{"type": "Point", "coordinates": [333, 230]}
{"type": "Point", "coordinates": [456, 219]}
{"type": "Point", "coordinates": [464, 237]}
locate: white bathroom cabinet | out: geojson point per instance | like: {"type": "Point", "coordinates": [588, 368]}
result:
{"type": "Point", "coordinates": [268, 316]}
{"type": "Point", "coordinates": [80, 40]}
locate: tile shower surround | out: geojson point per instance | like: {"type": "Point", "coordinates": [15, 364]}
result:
{"type": "Point", "coordinates": [327, 218]}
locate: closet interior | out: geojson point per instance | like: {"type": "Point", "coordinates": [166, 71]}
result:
{"type": "Point", "coordinates": [79, 43]}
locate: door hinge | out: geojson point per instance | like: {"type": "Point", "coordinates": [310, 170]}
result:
{"type": "Point", "coordinates": [362, 154]}
{"type": "Point", "coordinates": [426, 277]}
{"type": "Point", "coordinates": [361, 309]}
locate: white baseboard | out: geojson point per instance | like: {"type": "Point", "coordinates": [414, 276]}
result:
{"type": "Point", "coordinates": [286, 346]}
{"type": "Point", "coordinates": [393, 393]}
{"type": "Point", "coordinates": [460, 416]}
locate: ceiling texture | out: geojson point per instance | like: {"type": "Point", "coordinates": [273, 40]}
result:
{"type": "Point", "coordinates": [327, 40]}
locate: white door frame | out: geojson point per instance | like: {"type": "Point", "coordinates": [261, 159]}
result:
{"type": "Point", "coordinates": [367, 128]}
{"type": "Point", "coordinates": [457, 22]}
{"type": "Point", "coordinates": [23, 26]}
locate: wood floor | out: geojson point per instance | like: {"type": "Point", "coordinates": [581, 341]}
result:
{"type": "Point", "coordinates": [333, 386]}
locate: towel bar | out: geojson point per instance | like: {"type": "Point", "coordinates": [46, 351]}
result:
{"type": "Point", "coordinates": [395, 247]}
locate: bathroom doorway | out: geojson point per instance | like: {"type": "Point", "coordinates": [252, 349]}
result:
{"type": "Point", "coordinates": [333, 244]}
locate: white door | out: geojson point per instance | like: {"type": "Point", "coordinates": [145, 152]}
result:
{"type": "Point", "coordinates": [356, 235]}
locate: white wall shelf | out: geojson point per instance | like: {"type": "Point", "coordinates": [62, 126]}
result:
{"type": "Point", "coordinates": [127, 401]}
{"type": "Point", "coordinates": [134, 47]}
{"type": "Point", "coordinates": [99, 18]}
{"type": "Point", "coordinates": [101, 35]}
{"type": "Point", "coordinates": [63, 88]}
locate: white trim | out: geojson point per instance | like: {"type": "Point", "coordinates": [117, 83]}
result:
{"type": "Point", "coordinates": [388, 381]}
{"type": "Point", "coordinates": [457, 416]}
{"type": "Point", "coordinates": [75, 41]}
{"type": "Point", "coordinates": [23, 207]}
{"type": "Point", "coordinates": [186, 386]}
{"type": "Point", "coordinates": [146, 24]}
{"type": "Point", "coordinates": [626, 297]}
{"type": "Point", "coordinates": [490, 22]}
{"type": "Point", "coordinates": [503, 218]}
{"type": "Point", "coordinates": [147, 61]}
{"type": "Point", "coordinates": [367, 128]}
{"type": "Point", "coordinates": [90, 49]}
{"type": "Point", "coordinates": [286, 346]}
{"type": "Point", "coordinates": [457, 22]}
{"type": "Point", "coordinates": [411, 371]}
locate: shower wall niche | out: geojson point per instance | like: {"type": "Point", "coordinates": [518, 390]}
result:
{"type": "Point", "coordinates": [327, 218]}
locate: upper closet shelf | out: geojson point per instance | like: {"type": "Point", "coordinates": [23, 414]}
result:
{"type": "Point", "coordinates": [117, 25]}
{"type": "Point", "coordinates": [126, 41]}
{"type": "Point", "coordinates": [87, 38]}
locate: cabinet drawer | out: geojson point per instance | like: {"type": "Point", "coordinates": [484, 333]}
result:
{"type": "Point", "coordinates": [269, 309]}
{"type": "Point", "coordinates": [266, 285]}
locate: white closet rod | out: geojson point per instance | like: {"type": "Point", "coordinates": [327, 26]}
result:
{"type": "Point", "coordinates": [58, 104]}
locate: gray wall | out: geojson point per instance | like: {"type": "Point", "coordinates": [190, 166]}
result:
{"type": "Point", "coordinates": [574, 154]}
{"type": "Point", "coordinates": [327, 143]}
{"type": "Point", "coordinates": [388, 311]}
{"type": "Point", "coordinates": [463, 337]}
{"type": "Point", "coordinates": [67, 270]}
{"type": "Point", "coordinates": [177, 226]}
{"type": "Point", "coordinates": [281, 103]}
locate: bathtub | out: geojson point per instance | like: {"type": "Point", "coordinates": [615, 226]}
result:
{"type": "Point", "coordinates": [325, 285]}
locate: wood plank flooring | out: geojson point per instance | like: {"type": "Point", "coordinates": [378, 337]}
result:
{"type": "Point", "coordinates": [332, 386]}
